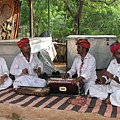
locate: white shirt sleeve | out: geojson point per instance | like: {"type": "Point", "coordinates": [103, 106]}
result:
{"type": "Point", "coordinates": [4, 69]}
{"type": "Point", "coordinates": [88, 68]}
{"type": "Point", "coordinates": [73, 69]}
{"type": "Point", "coordinates": [15, 69]}
{"type": "Point", "coordinates": [38, 62]}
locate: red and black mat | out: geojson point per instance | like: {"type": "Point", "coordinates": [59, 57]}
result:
{"type": "Point", "coordinates": [60, 103]}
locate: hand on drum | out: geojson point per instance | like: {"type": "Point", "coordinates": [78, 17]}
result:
{"type": "Point", "coordinates": [100, 81]}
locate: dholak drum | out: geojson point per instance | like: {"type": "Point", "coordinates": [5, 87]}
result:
{"type": "Point", "coordinates": [62, 86]}
{"type": "Point", "coordinates": [37, 91]}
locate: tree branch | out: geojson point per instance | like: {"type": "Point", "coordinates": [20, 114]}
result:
{"type": "Point", "coordinates": [68, 8]}
{"type": "Point", "coordinates": [104, 1]}
{"type": "Point", "coordinates": [80, 8]}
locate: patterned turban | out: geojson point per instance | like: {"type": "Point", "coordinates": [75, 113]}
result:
{"type": "Point", "coordinates": [114, 47]}
{"type": "Point", "coordinates": [83, 43]}
{"type": "Point", "coordinates": [22, 42]}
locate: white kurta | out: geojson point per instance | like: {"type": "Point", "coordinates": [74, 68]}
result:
{"type": "Point", "coordinates": [101, 91]}
{"type": "Point", "coordinates": [88, 70]}
{"type": "Point", "coordinates": [115, 98]}
{"type": "Point", "coordinates": [3, 71]}
{"type": "Point", "coordinates": [20, 63]}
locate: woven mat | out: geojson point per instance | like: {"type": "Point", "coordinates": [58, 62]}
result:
{"type": "Point", "coordinates": [60, 103]}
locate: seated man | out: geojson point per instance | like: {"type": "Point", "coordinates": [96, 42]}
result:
{"type": "Point", "coordinates": [5, 81]}
{"type": "Point", "coordinates": [112, 76]}
{"type": "Point", "coordinates": [26, 67]}
{"type": "Point", "coordinates": [84, 65]}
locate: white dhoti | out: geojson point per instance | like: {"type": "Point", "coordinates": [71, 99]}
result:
{"type": "Point", "coordinates": [7, 83]}
{"type": "Point", "coordinates": [27, 80]}
{"type": "Point", "coordinates": [115, 98]}
{"type": "Point", "coordinates": [87, 86]}
{"type": "Point", "coordinates": [102, 91]}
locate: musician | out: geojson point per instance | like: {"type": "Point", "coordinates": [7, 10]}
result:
{"type": "Point", "coordinates": [84, 65]}
{"type": "Point", "coordinates": [108, 86]}
{"type": "Point", "coordinates": [26, 67]}
{"type": "Point", "coordinates": [5, 80]}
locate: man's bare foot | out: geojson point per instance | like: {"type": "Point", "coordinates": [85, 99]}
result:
{"type": "Point", "coordinates": [89, 96]}
{"type": "Point", "coordinates": [108, 100]}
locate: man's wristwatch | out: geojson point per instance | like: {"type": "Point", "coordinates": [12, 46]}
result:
{"type": "Point", "coordinates": [114, 76]}
{"type": "Point", "coordinates": [119, 79]}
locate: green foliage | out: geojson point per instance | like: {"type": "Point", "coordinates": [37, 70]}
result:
{"type": "Point", "coordinates": [24, 15]}
{"type": "Point", "coordinates": [98, 18]}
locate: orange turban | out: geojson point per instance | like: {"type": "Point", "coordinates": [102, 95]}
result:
{"type": "Point", "coordinates": [114, 47]}
{"type": "Point", "coordinates": [22, 42]}
{"type": "Point", "coordinates": [83, 43]}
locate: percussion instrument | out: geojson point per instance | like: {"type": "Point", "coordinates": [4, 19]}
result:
{"type": "Point", "coordinates": [37, 91]}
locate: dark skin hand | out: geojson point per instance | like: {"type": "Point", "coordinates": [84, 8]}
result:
{"type": "Point", "coordinates": [107, 74]}
{"type": "Point", "coordinates": [74, 81]}
{"type": "Point", "coordinates": [25, 71]}
{"type": "Point", "coordinates": [64, 76]}
{"type": "Point", "coordinates": [38, 70]}
{"type": "Point", "coordinates": [77, 80]}
{"type": "Point", "coordinates": [100, 81]}
{"type": "Point", "coordinates": [2, 78]}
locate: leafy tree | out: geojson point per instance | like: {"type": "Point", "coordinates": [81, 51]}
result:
{"type": "Point", "coordinates": [73, 17]}
{"type": "Point", "coordinates": [24, 18]}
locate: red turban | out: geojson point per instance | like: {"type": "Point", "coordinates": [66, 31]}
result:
{"type": "Point", "coordinates": [114, 47]}
{"type": "Point", "coordinates": [83, 43]}
{"type": "Point", "coordinates": [22, 42]}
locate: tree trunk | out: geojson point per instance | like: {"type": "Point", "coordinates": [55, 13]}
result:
{"type": "Point", "coordinates": [76, 27]}
{"type": "Point", "coordinates": [77, 16]}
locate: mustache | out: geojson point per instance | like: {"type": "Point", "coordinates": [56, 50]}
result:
{"type": "Point", "coordinates": [29, 49]}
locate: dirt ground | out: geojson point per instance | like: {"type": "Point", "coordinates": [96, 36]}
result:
{"type": "Point", "coordinates": [15, 112]}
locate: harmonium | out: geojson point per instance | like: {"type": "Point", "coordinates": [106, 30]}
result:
{"type": "Point", "coordinates": [62, 86]}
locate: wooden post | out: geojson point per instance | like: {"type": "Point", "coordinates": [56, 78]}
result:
{"type": "Point", "coordinates": [49, 18]}
{"type": "Point", "coordinates": [31, 18]}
